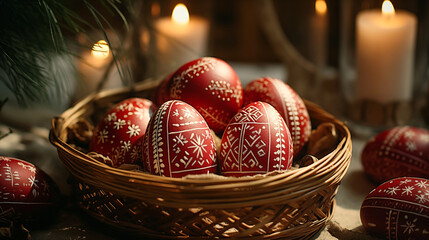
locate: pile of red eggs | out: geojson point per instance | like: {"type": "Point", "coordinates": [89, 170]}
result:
{"type": "Point", "coordinates": [262, 127]}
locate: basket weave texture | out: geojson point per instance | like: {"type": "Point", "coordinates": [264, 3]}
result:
{"type": "Point", "coordinates": [294, 204]}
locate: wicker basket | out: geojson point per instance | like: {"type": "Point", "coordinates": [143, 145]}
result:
{"type": "Point", "coordinates": [295, 204]}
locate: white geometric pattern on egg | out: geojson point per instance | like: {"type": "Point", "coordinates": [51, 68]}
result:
{"type": "Point", "coordinates": [19, 179]}
{"type": "Point", "coordinates": [181, 142]}
{"type": "Point", "coordinates": [390, 145]}
{"type": "Point", "coordinates": [179, 81]}
{"type": "Point", "coordinates": [399, 209]}
{"type": "Point", "coordinates": [211, 86]}
{"type": "Point", "coordinates": [283, 98]}
{"type": "Point", "coordinates": [255, 141]}
{"type": "Point", "coordinates": [397, 152]}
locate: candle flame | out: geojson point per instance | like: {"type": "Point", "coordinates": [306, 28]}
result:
{"type": "Point", "coordinates": [180, 14]}
{"type": "Point", "coordinates": [100, 50]}
{"type": "Point", "coordinates": [320, 6]}
{"type": "Point", "coordinates": [387, 8]}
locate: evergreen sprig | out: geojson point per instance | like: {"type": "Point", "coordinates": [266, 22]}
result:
{"type": "Point", "coordinates": [31, 32]}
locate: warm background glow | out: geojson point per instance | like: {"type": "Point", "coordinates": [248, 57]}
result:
{"type": "Point", "coordinates": [387, 8]}
{"type": "Point", "coordinates": [320, 6]}
{"type": "Point", "coordinates": [180, 14]}
{"type": "Point", "coordinates": [100, 49]}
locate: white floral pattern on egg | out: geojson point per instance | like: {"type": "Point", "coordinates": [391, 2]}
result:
{"type": "Point", "coordinates": [398, 209]}
{"type": "Point", "coordinates": [178, 142]}
{"type": "Point", "coordinates": [119, 134]}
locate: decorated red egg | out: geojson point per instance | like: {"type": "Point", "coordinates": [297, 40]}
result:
{"type": "Point", "coordinates": [256, 141]}
{"type": "Point", "coordinates": [398, 209]}
{"type": "Point", "coordinates": [212, 87]}
{"type": "Point", "coordinates": [119, 134]}
{"type": "Point", "coordinates": [161, 94]}
{"type": "Point", "coordinates": [178, 142]}
{"type": "Point", "coordinates": [285, 100]}
{"type": "Point", "coordinates": [397, 152]}
{"type": "Point", "coordinates": [27, 193]}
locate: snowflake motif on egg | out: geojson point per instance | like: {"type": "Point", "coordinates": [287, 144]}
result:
{"type": "Point", "coordinates": [135, 153]}
{"type": "Point", "coordinates": [198, 145]}
{"type": "Point", "coordinates": [404, 181]}
{"type": "Point", "coordinates": [133, 130]}
{"type": "Point", "coordinates": [410, 226]}
{"type": "Point", "coordinates": [407, 190]}
{"type": "Point", "coordinates": [411, 146]}
{"type": "Point", "coordinates": [102, 136]}
{"type": "Point", "coordinates": [111, 117]}
{"type": "Point", "coordinates": [126, 146]}
{"type": "Point", "coordinates": [421, 198]}
{"type": "Point", "coordinates": [126, 107]}
{"type": "Point", "coordinates": [139, 113]}
{"type": "Point", "coordinates": [31, 180]}
{"type": "Point", "coordinates": [392, 190]}
{"type": "Point", "coordinates": [422, 183]}
{"type": "Point", "coordinates": [118, 124]}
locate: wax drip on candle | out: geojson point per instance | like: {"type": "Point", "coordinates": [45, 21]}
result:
{"type": "Point", "coordinates": [180, 14]}
{"type": "Point", "coordinates": [320, 7]}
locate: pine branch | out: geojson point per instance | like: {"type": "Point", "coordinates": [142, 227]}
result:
{"type": "Point", "coordinates": [31, 32]}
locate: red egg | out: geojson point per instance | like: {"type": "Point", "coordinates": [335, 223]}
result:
{"type": "Point", "coordinates": [161, 94]}
{"type": "Point", "coordinates": [397, 152]}
{"type": "Point", "coordinates": [285, 100]}
{"type": "Point", "coordinates": [119, 134]}
{"type": "Point", "coordinates": [178, 142]}
{"type": "Point", "coordinates": [212, 87]}
{"type": "Point", "coordinates": [398, 209]}
{"type": "Point", "coordinates": [256, 141]}
{"type": "Point", "coordinates": [27, 193]}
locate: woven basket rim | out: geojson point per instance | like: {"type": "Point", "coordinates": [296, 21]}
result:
{"type": "Point", "coordinates": [192, 192]}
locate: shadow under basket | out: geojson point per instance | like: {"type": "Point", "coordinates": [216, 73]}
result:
{"type": "Point", "coordinates": [294, 204]}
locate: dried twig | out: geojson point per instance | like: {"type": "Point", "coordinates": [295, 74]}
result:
{"type": "Point", "coordinates": [342, 233]}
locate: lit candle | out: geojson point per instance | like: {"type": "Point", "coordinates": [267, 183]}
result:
{"type": "Point", "coordinates": [92, 67]}
{"type": "Point", "coordinates": [385, 54]}
{"type": "Point", "coordinates": [318, 35]}
{"type": "Point", "coordinates": [180, 38]}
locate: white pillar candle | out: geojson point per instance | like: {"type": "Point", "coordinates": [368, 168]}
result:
{"type": "Point", "coordinates": [180, 38]}
{"type": "Point", "coordinates": [318, 35]}
{"type": "Point", "coordinates": [385, 54]}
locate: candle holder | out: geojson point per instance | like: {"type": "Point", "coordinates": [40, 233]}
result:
{"type": "Point", "coordinates": [383, 62]}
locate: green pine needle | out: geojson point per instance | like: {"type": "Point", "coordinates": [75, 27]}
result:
{"type": "Point", "coordinates": [31, 32]}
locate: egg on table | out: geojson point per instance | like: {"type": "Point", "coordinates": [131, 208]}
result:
{"type": "Point", "coordinates": [212, 87]}
{"type": "Point", "coordinates": [401, 151]}
{"type": "Point", "coordinates": [178, 142]}
{"type": "Point", "coordinates": [287, 102]}
{"type": "Point", "coordinates": [27, 192]}
{"type": "Point", "coordinates": [256, 141]}
{"type": "Point", "coordinates": [119, 134]}
{"type": "Point", "coordinates": [398, 209]}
